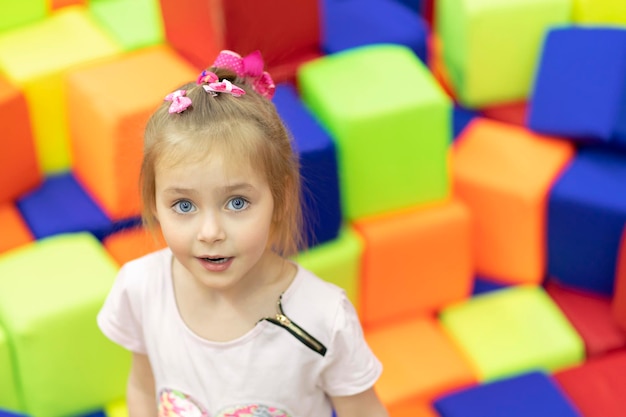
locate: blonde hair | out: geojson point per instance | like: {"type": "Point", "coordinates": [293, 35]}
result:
{"type": "Point", "coordinates": [245, 129]}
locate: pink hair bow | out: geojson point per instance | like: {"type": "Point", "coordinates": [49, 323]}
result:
{"type": "Point", "coordinates": [224, 86]}
{"type": "Point", "coordinates": [179, 101]}
{"type": "Point", "coordinates": [250, 66]}
{"type": "Point", "coordinates": [206, 77]}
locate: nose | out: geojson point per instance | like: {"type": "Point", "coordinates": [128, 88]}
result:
{"type": "Point", "coordinates": [211, 228]}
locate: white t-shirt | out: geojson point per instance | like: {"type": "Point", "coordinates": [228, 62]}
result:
{"type": "Point", "coordinates": [266, 372]}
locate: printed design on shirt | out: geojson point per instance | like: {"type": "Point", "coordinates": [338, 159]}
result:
{"type": "Point", "coordinates": [252, 411]}
{"type": "Point", "coordinates": [173, 403]}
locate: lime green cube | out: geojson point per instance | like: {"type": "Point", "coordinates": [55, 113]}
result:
{"type": "Point", "coordinates": [50, 293]}
{"type": "Point", "coordinates": [512, 331]}
{"type": "Point", "coordinates": [491, 47]}
{"type": "Point", "coordinates": [337, 261]}
{"type": "Point", "coordinates": [133, 23]}
{"type": "Point", "coordinates": [17, 13]}
{"type": "Point", "coordinates": [391, 123]}
{"type": "Point", "coordinates": [9, 399]}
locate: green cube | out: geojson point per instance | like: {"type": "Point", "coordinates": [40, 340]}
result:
{"type": "Point", "coordinates": [491, 47]}
{"type": "Point", "coordinates": [50, 293]}
{"type": "Point", "coordinates": [337, 261]}
{"type": "Point", "coordinates": [9, 399]}
{"type": "Point", "coordinates": [391, 123]}
{"type": "Point", "coordinates": [18, 13]}
{"type": "Point", "coordinates": [512, 331]}
{"type": "Point", "coordinates": [133, 23]}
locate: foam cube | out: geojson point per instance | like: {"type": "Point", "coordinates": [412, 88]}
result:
{"type": "Point", "coordinates": [412, 408]}
{"type": "Point", "coordinates": [50, 294]}
{"type": "Point", "coordinates": [318, 166]}
{"type": "Point", "coordinates": [590, 314]}
{"type": "Point", "coordinates": [598, 386]}
{"type": "Point", "coordinates": [504, 174]}
{"type": "Point", "coordinates": [514, 113]}
{"type": "Point", "coordinates": [59, 4]}
{"type": "Point", "coordinates": [461, 117]}
{"type": "Point", "coordinates": [7, 413]}
{"type": "Point", "coordinates": [580, 91]}
{"type": "Point", "coordinates": [485, 285]}
{"type": "Point", "coordinates": [19, 169]}
{"type": "Point", "coordinates": [415, 261]}
{"type": "Point", "coordinates": [21, 13]}
{"type": "Point", "coordinates": [133, 24]}
{"type": "Point", "coordinates": [491, 47]}
{"type": "Point", "coordinates": [533, 394]}
{"type": "Point", "coordinates": [599, 12]}
{"type": "Point", "coordinates": [199, 29]}
{"type": "Point", "coordinates": [117, 408]}
{"type": "Point", "coordinates": [61, 205]}
{"type": "Point", "coordinates": [9, 391]}
{"type": "Point", "coordinates": [14, 230]}
{"type": "Point", "coordinates": [131, 243]}
{"type": "Point", "coordinates": [372, 22]}
{"type": "Point", "coordinates": [619, 298]}
{"type": "Point", "coordinates": [392, 138]}
{"type": "Point", "coordinates": [586, 215]}
{"type": "Point", "coordinates": [107, 119]}
{"type": "Point", "coordinates": [420, 361]}
{"type": "Point", "coordinates": [64, 40]}
{"type": "Point", "coordinates": [338, 261]}
{"type": "Point", "coordinates": [512, 331]}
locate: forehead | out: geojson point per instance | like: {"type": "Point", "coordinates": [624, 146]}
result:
{"type": "Point", "coordinates": [219, 168]}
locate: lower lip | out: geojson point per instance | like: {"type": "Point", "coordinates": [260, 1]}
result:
{"type": "Point", "coordinates": [213, 267]}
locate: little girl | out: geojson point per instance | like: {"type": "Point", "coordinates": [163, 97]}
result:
{"type": "Point", "coordinates": [221, 323]}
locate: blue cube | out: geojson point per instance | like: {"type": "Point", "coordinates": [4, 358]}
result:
{"type": "Point", "coordinates": [586, 216]}
{"type": "Point", "coordinates": [61, 205]}
{"type": "Point", "coordinates": [580, 88]}
{"type": "Point", "coordinates": [318, 166]}
{"type": "Point", "coordinates": [533, 394]}
{"type": "Point", "coordinates": [351, 23]}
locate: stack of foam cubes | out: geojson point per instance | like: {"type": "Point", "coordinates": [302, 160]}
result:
{"type": "Point", "coordinates": [465, 167]}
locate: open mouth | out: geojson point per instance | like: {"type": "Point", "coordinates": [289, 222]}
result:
{"type": "Point", "coordinates": [216, 260]}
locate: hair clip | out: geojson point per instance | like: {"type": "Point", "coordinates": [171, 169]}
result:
{"type": "Point", "coordinates": [180, 103]}
{"type": "Point", "coordinates": [251, 67]}
{"type": "Point", "coordinates": [206, 77]}
{"type": "Point", "coordinates": [223, 86]}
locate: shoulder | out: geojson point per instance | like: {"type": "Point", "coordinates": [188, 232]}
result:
{"type": "Point", "coordinates": [316, 302]}
{"type": "Point", "coordinates": [317, 293]}
{"type": "Point", "coordinates": [153, 260]}
{"type": "Point", "coordinates": [153, 267]}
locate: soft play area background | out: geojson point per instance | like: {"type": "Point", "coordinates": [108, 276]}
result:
{"type": "Point", "coordinates": [465, 167]}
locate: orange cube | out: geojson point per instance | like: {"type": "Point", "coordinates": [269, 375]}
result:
{"type": "Point", "coordinates": [414, 261]}
{"type": "Point", "coordinates": [129, 244]}
{"type": "Point", "coordinates": [419, 361]}
{"type": "Point", "coordinates": [108, 106]}
{"type": "Point", "coordinates": [504, 173]}
{"type": "Point", "coordinates": [14, 231]}
{"type": "Point", "coordinates": [19, 168]}
{"type": "Point", "coordinates": [412, 408]}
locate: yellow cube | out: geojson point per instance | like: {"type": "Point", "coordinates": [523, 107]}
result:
{"type": "Point", "coordinates": [606, 12]}
{"type": "Point", "coordinates": [36, 58]}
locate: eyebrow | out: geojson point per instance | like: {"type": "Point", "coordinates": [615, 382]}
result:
{"type": "Point", "coordinates": [225, 189]}
{"type": "Point", "coordinates": [237, 186]}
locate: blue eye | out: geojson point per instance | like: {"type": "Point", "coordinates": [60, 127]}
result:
{"type": "Point", "coordinates": [183, 206]}
{"type": "Point", "coordinates": [237, 204]}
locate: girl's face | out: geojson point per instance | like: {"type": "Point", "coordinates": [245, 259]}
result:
{"type": "Point", "coordinates": [216, 219]}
